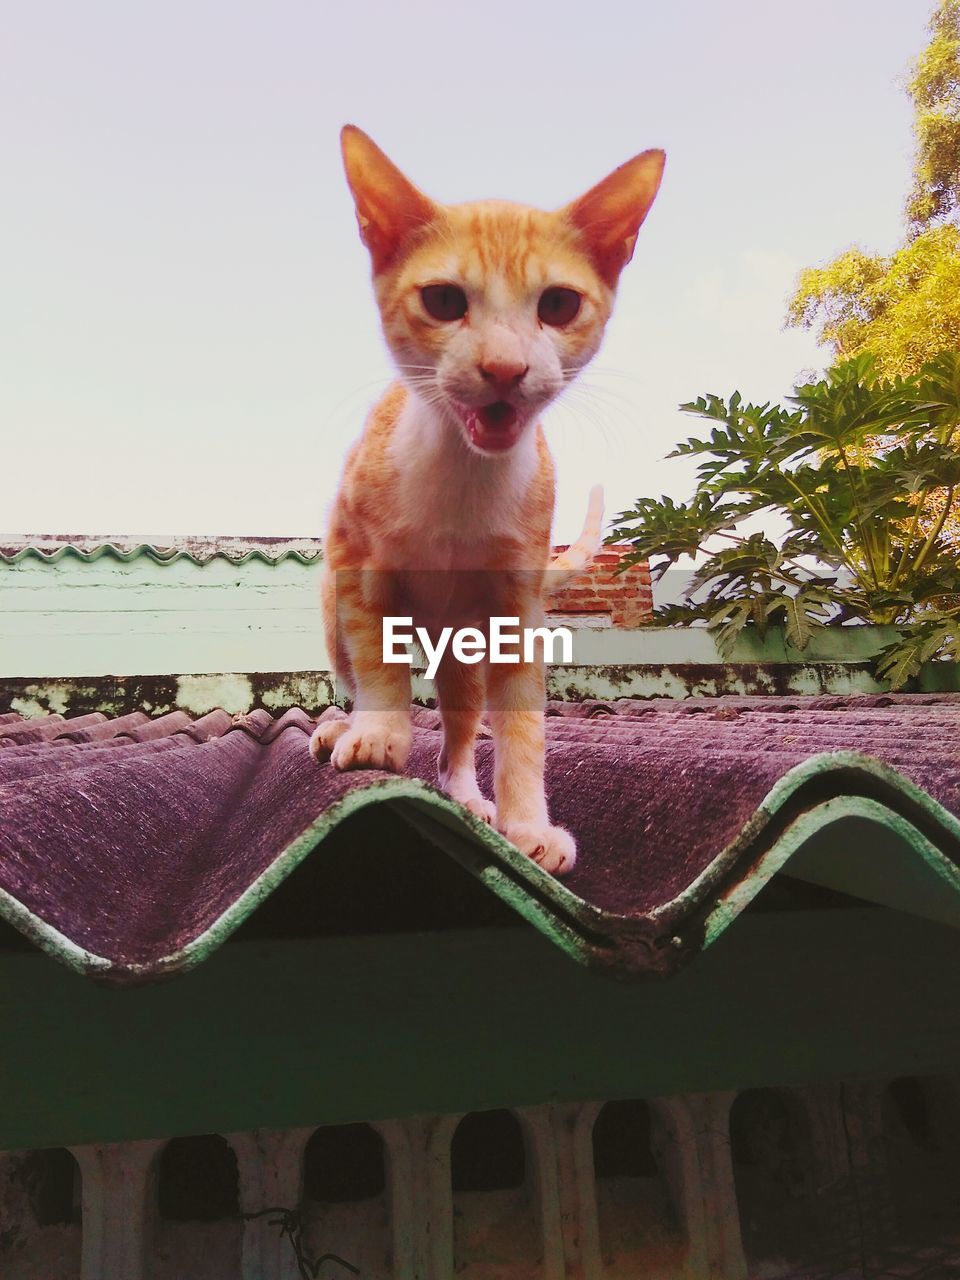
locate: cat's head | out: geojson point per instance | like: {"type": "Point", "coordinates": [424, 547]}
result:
{"type": "Point", "coordinates": [491, 308]}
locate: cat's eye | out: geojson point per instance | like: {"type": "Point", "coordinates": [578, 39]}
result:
{"type": "Point", "coordinates": [444, 301]}
{"type": "Point", "coordinates": [558, 305]}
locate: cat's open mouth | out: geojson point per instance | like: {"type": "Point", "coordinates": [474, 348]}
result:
{"type": "Point", "coordinates": [493, 427]}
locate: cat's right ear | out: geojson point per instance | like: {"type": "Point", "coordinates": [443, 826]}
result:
{"type": "Point", "coordinates": [610, 214]}
{"type": "Point", "coordinates": [389, 206]}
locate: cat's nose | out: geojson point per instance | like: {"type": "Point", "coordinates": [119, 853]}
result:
{"type": "Point", "coordinates": [503, 375]}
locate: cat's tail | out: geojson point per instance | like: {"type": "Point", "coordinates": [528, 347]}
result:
{"type": "Point", "coordinates": [577, 557]}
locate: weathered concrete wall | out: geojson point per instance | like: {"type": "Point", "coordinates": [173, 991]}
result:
{"type": "Point", "coordinates": [106, 617]}
{"type": "Point", "coordinates": [112, 634]}
{"type": "Point", "coordinates": [790, 1183]}
{"type": "Point", "coordinates": [112, 616]}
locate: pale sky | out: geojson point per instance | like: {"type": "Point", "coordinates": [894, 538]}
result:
{"type": "Point", "coordinates": [188, 340]}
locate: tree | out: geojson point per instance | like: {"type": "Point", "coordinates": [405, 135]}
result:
{"type": "Point", "coordinates": [866, 530]}
{"type": "Point", "coordinates": [935, 90]}
{"type": "Point", "coordinates": [904, 308]}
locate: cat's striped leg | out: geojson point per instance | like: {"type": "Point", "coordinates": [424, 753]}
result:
{"type": "Point", "coordinates": [329, 731]}
{"type": "Point", "coordinates": [515, 699]}
{"type": "Point", "coordinates": [378, 733]}
{"type": "Point", "coordinates": [460, 693]}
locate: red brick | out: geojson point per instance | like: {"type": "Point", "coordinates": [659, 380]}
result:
{"type": "Point", "coordinates": [626, 596]}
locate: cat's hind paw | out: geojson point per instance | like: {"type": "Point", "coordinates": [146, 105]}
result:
{"type": "Point", "coordinates": [481, 808]}
{"type": "Point", "coordinates": [552, 848]}
{"type": "Point", "coordinates": [462, 787]}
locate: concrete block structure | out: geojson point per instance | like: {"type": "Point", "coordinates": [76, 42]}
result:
{"type": "Point", "coordinates": [266, 1021]}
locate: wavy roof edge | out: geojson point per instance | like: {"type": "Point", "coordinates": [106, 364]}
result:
{"type": "Point", "coordinates": [199, 550]}
{"type": "Point", "coordinates": [911, 865]}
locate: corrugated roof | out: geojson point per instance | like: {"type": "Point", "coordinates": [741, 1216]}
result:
{"type": "Point", "coordinates": [133, 847]}
{"type": "Point", "coordinates": [52, 547]}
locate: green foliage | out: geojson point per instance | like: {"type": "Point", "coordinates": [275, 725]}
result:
{"type": "Point", "coordinates": [935, 90]}
{"type": "Point", "coordinates": [866, 529]}
{"type": "Point", "coordinates": [904, 307]}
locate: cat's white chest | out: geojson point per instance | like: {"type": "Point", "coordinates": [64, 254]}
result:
{"type": "Point", "coordinates": [453, 503]}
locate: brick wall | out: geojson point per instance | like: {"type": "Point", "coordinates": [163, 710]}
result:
{"type": "Point", "coordinates": [627, 597]}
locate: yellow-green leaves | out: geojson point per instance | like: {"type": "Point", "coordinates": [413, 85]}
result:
{"type": "Point", "coordinates": [901, 309]}
{"type": "Point", "coordinates": [904, 307]}
{"type": "Point", "coordinates": [935, 89]}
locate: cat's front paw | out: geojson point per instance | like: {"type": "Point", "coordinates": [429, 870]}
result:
{"type": "Point", "coordinates": [553, 848]}
{"type": "Point", "coordinates": [325, 737]}
{"type": "Point", "coordinates": [373, 740]}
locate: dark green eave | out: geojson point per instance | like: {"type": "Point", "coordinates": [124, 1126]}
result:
{"type": "Point", "coordinates": [281, 1033]}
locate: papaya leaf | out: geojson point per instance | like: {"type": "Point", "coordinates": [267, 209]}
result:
{"type": "Point", "coordinates": [859, 476]}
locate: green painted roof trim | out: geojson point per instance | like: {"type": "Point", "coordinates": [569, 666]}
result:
{"type": "Point", "coordinates": [904, 849]}
{"type": "Point", "coordinates": [903, 852]}
{"type": "Point", "coordinates": [159, 554]}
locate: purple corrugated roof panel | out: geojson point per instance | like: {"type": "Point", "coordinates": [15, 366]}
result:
{"type": "Point", "coordinates": [131, 848]}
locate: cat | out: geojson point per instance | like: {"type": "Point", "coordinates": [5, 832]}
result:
{"type": "Point", "coordinates": [489, 310]}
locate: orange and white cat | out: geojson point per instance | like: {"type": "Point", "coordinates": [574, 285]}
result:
{"type": "Point", "coordinates": [445, 506]}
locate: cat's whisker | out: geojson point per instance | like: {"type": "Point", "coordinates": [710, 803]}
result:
{"type": "Point", "coordinates": [580, 404]}
{"type": "Point", "coordinates": [600, 395]}
{"type": "Point", "coordinates": [352, 402]}
{"type": "Point", "coordinates": [588, 412]}
{"type": "Point", "coordinates": [610, 432]}
{"type": "Point", "coordinates": [611, 399]}
{"type": "Point", "coordinates": [605, 370]}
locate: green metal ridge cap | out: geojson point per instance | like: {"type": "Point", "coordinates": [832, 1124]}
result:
{"type": "Point", "coordinates": [815, 796]}
{"type": "Point", "coordinates": [906, 871]}
{"type": "Point", "coordinates": [916, 869]}
{"type": "Point", "coordinates": [819, 775]}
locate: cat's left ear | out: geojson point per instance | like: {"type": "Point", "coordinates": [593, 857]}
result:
{"type": "Point", "coordinates": [389, 206]}
{"type": "Point", "coordinates": [610, 214]}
